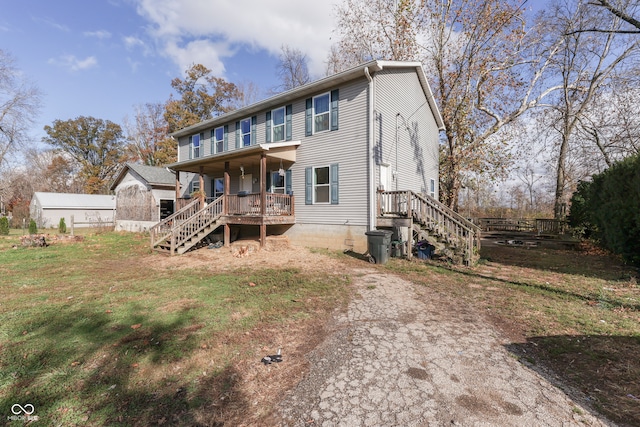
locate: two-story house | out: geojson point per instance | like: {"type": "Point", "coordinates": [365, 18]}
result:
{"type": "Point", "coordinates": [312, 163]}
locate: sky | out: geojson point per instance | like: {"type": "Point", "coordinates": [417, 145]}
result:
{"type": "Point", "coordinates": [101, 58]}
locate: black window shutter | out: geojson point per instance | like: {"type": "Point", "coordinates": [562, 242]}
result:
{"type": "Point", "coordinates": [287, 121]}
{"type": "Point", "coordinates": [335, 96]}
{"type": "Point", "coordinates": [225, 138]}
{"type": "Point", "coordinates": [308, 122]}
{"type": "Point", "coordinates": [287, 182]}
{"type": "Point", "coordinates": [268, 126]}
{"type": "Point", "coordinates": [334, 183]}
{"type": "Point", "coordinates": [308, 185]}
{"type": "Point", "coordinates": [237, 134]}
{"type": "Point", "coordinates": [254, 126]}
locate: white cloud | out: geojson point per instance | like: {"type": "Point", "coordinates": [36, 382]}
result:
{"type": "Point", "coordinates": [100, 34]}
{"type": "Point", "coordinates": [50, 22]}
{"type": "Point", "coordinates": [74, 64]}
{"type": "Point", "coordinates": [184, 26]}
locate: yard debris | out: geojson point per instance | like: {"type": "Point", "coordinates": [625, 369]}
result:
{"type": "Point", "coordinates": [216, 245]}
{"type": "Point", "coordinates": [274, 358]}
{"type": "Point", "coordinates": [136, 326]}
{"type": "Point", "coordinates": [252, 284]}
{"type": "Point", "coordinates": [34, 240]}
{"type": "Point", "coordinates": [242, 252]}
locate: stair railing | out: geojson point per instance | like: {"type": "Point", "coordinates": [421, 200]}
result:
{"type": "Point", "coordinates": [435, 216]}
{"type": "Point", "coordinates": [185, 230]}
{"type": "Point", "coordinates": [162, 230]}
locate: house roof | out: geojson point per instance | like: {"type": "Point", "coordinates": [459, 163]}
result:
{"type": "Point", "coordinates": [318, 85]}
{"type": "Point", "coordinates": [152, 175]}
{"type": "Point", "coordinates": [74, 201]}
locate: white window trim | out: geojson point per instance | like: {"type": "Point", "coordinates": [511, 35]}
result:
{"type": "Point", "coordinates": [193, 147]}
{"type": "Point", "coordinates": [283, 125]}
{"type": "Point", "coordinates": [314, 185]}
{"type": "Point", "coordinates": [215, 141]}
{"type": "Point", "coordinates": [284, 182]}
{"type": "Point", "coordinates": [313, 113]}
{"type": "Point", "coordinates": [213, 190]}
{"type": "Point", "coordinates": [242, 135]}
{"type": "Point", "coordinates": [432, 187]}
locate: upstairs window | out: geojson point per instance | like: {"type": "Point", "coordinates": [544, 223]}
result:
{"type": "Point", "coordinates": [277, 125]}
{"type": "Point", "coordinates": [218, 140]}
{"type": "Point", "coordinates": [245, 132]}
{"type": "Point", "coordinates": [195, 146]}
{"type": "Point", "coordinates": [321, 113]}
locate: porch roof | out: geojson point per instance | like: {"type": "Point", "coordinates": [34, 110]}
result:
{"type": "Point", "coordinates": [246, 156]}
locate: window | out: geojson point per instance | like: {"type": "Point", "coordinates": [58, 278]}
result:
{"type": "Point", "coordinates": [218, 140]}
{"type": "Point", "coordinates": [321, 185]}
{"type": "Point", "coordinates": [195, 146]}
{"type": "Point", "coordinates": [195, 186]}
{"type": "Point", "coordinates": [277, 182]}
{"type": "Point", "coordinates": [321, 113]}
{"type": "Point", "coordinates": [217, 184]}
{"type": "Point", "coordinates": [245, 132]}
{"type": "Point", "coordinates": [432, 188]}
{"type": "Point", "coordinates": [277, 124]}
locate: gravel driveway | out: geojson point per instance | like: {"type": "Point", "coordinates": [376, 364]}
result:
{"type": "Point", "coordinates": [402, 355]}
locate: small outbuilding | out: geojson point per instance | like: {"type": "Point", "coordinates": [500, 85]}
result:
{"type": "Point", "coordinates": [86, 209]}
{"type": "Point", "coordinates": [144, 195]}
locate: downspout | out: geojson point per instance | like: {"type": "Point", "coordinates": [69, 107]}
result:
{"type": "Point", "coordinates": [370, 147]}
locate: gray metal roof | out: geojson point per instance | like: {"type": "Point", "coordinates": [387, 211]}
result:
{"type": "Point", "coordinates": [74, 201]}
{"type": "Point", "coordinates": [153, 175]}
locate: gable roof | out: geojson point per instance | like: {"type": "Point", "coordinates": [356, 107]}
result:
{"type": "Point", "coordinates": [152, 175]}
{"type": "Point", "coordinates": [74, 201]}
{"type": "Point", "coordinates": [316, 86]}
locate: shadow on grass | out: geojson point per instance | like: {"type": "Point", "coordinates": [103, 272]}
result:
{"type": "Point", "coordinates": [80, 367]}
{"type": "Point", "coordinates": [604, 369]}
{"type": "Point", "coordinates": [589, 298]}
{"type": "Point", "coordinates": [580, 262]}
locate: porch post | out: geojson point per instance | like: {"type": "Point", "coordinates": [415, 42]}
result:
{"type": "Point", "coordinates": [225, 204]}
{"type": "Point", "coordinates": [263, 198]}
{"type": "Point", "coordinates": [202, 193]}
{"type": "Point", "coordinates": [177, 190]}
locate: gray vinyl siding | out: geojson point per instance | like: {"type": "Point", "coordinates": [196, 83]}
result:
{"type": "Point", "coordinates": [416, 158]}
{"type": "Point", "coordinates": [347, 147]}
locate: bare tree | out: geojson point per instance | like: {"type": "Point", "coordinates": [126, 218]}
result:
{"type": "Point", "coordinates": [587, 62]}
{"type": "Point", "coordinates": [19, 105]}
{"type": "Point", "coordinates": [621, 9]}
{"type": "Point", "coordinates": [489, 69]}
{"type": "Point", "coordinates": [250, 93]}
{"type": "Point", "coordinates": [148, 136]}
{"type": "Point", "coordinates": [292, 69]}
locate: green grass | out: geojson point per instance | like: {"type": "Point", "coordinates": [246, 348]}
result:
{"type": "Point", "coordinates": [90, 335]}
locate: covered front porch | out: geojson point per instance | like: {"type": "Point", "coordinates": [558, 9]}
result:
{"type": "Point", "coordinates": [244, 198]}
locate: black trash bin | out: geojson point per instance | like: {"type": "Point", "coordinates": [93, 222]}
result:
{"type": "Point", "coordinates": [379, 245]}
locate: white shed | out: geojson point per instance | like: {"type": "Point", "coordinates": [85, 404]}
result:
{"type": "Point", "coordinates": [87, 209]}
{"type": "Point", "coordinates": [144, 196]}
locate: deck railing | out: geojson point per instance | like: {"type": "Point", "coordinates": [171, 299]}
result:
{"type": "Point", "coordinates": [538, 225]}
{"type": "Point", "coordinates": [249, 204]}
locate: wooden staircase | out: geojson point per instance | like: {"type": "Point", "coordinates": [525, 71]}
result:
{"type": "Point", "coordinates": [453, 236]}
{"type": "Point", "coordinates": [187, 227]}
